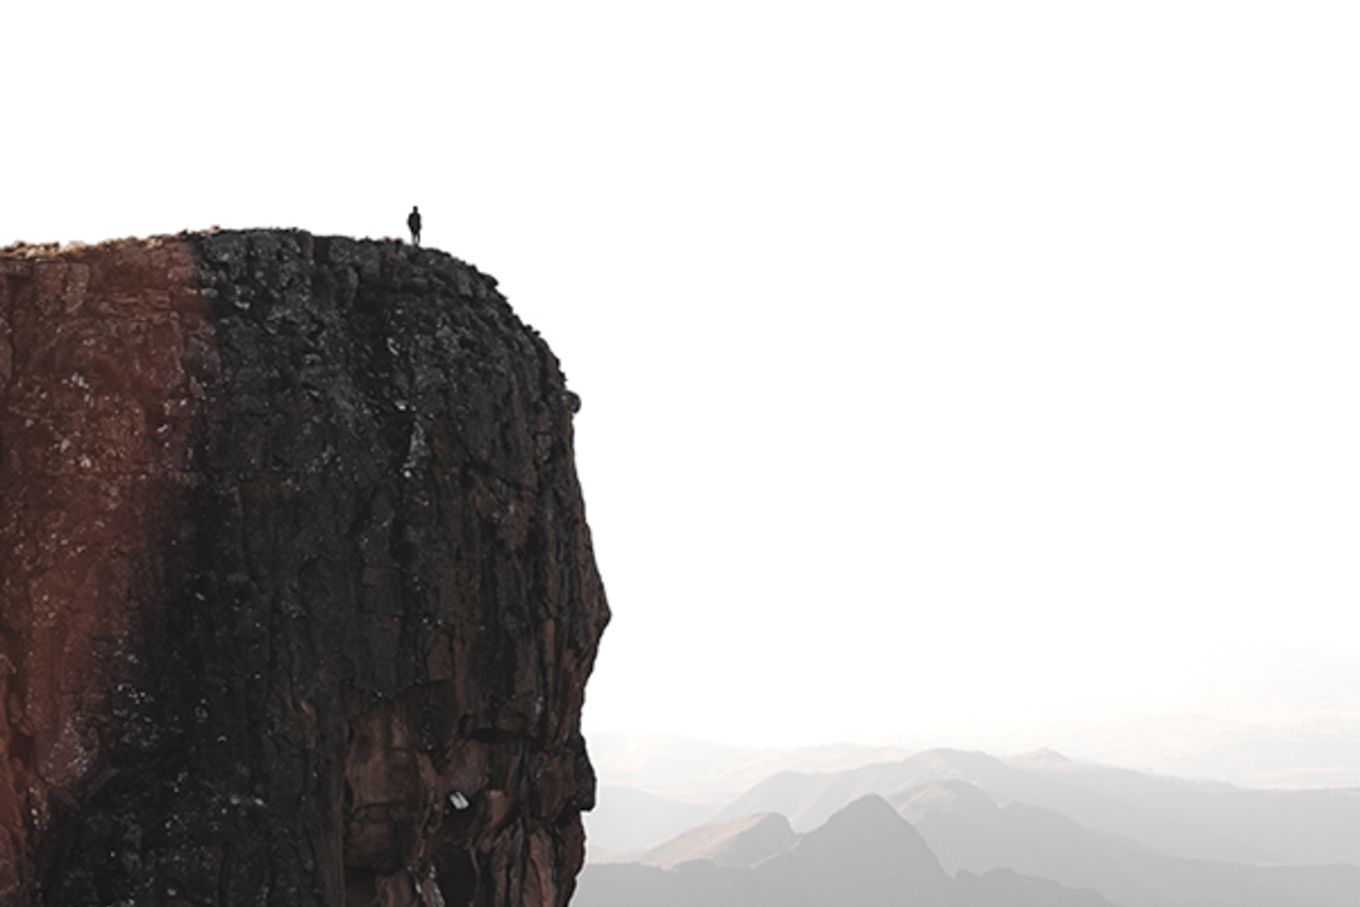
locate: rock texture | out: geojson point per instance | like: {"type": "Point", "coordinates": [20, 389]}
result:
{"type": "Point", "coordinates": [297, 597]}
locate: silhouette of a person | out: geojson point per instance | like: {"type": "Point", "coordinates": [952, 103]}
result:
{"type": "Point", "coordinates": [413, 221]}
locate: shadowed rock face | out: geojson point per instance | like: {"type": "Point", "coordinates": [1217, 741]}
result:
{"type": "Point", "coordinates": [298, 597]}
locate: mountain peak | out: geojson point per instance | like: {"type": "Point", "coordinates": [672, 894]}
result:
{"type": "Point", "coordinates": [1039, 758]}
{"type": "Point", "coordinates": [954, 795]}
{"type": "Point", "coordinates": [869, 826]}
{"type": "Point", "coordinates": [741, 842]}
{"type": "Point", "coordinates": [866, 841]}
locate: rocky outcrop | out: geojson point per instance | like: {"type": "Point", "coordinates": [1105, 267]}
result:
{"type": "Point", "coordinates": [297, 597]}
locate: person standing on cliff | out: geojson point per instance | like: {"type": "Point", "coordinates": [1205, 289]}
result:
{"type": "Point", "coordinates": [413, 221]}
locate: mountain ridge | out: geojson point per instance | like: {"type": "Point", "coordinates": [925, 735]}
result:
{"type": "Point", "coordinates": [865, 855]}
{"type": "Point", "coordinates": [1207, 820]}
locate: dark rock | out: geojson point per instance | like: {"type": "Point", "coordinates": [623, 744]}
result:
{"type": "Point", "coordinates": [299, 600]}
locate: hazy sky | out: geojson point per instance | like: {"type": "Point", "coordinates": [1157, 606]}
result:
{"type": "Point", "coordinates": [948, 367]}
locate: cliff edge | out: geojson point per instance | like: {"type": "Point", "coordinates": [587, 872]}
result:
{"type": "Point", "coordinates": [297, 596]}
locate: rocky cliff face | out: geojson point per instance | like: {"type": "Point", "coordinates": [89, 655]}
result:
{"type": "Point", "coordinates": [297, 597]}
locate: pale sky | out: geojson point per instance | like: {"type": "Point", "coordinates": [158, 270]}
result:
{"type": "Point", "coordinates": [947, 367]}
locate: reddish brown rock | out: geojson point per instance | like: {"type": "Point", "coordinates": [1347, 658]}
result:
{"type": "Point", "coordinates": [298, 598]}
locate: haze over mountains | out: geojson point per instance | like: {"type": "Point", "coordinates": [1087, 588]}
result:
{"type": "Point", "coordinates": [863, 856]}
{"type": "Point", "coordinates": [963, 828]}
{"type": "Point", "coordinates": [1194, 819]}
{"type": "Point", "coordinates": [690, 770]}
{"type": "Point", "coordinates": [967, 830]}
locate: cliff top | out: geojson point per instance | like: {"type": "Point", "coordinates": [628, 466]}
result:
{"type": "Point", "coordinates": [77, 250]}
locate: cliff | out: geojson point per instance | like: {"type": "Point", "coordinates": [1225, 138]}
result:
{"type": "Point", "coordinates": [297, 596]}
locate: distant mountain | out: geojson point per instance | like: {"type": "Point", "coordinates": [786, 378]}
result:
{"type": "Point", "coordinates": [865, 855]}
{"type": "Point", "coordinates": [626, 821]}
{"type": "Point", "coordinates": [1180, 818]}
{"type": "Point", "coordinates": [741, 842]}
{"type": "Point", "coordinates": [969, 831]}
{"type": "Point", "coordinates": [688, 770]}
{"type": "Point", "coordinates": [1007, 888]}
{"type": "Point", "coordinates": [809, 798]}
